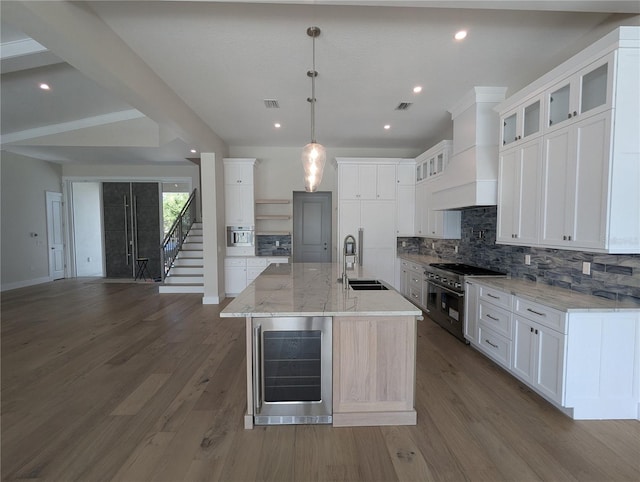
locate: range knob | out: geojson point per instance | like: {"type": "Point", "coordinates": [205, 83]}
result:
{"type": "Point", "coordinates": [458, 285]}
{"type": "Point", "coordinates": [444, 280]}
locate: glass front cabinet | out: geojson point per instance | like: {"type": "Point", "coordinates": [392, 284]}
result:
{"type": "Point", "coordinates": [522, 123]}
{"type": "Point", "coordinates": [588, 91]}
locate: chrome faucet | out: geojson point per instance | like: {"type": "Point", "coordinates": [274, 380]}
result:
{"type": "Point", "coordinates": [348, 251]}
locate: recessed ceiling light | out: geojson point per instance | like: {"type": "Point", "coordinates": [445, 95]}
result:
{"type": "Point", "coordinates": [387, 127]}
{"type": "Point", "coordinates": [193, 151]}
{"type": "Point", "coordinates": [460, 35]}
{"type": "Point", "coordinates": [417, 89]}
{"type": "Point", "coordinates": [44, 86]}
{"type": "Point", "coordinates": [277, 125]}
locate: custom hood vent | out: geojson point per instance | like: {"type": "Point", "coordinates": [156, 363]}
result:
{"type": "Point", "coordinates": [471, 176]}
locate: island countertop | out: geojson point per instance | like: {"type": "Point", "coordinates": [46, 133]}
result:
{"type": "Point", "coordinates": [313, 289]}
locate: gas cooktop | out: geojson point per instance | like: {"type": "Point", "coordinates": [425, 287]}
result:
{"type": "Point", "coordinates": [466, 269]}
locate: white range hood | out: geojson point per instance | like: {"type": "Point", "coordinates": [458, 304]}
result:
{"type": "Point", "coordinates": [471, 176]}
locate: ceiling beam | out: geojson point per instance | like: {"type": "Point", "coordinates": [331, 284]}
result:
{"type": "Point", "coordinates": [77, 35]}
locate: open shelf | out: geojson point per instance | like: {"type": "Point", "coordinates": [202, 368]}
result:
{"type": "Point", "coordinates": [273, 216]}
{"type": "Point", "coordinates": [273, 233]}
{"type": "Point", "coordinates": [273, 201]}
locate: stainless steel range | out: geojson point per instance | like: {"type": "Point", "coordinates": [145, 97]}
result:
{"type": "Point", "coordinates": [444, 293]}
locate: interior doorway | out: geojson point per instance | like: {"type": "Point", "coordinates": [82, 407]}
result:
{"type": "Point", "coordinates": [55, 235]}
{"type": "Point", "coordinates": [87, 229]}
{"type": "Point", "coordinates": [311, 227]}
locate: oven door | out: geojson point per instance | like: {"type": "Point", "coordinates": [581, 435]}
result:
{"type": "Point", "coordinates": [446, 307]}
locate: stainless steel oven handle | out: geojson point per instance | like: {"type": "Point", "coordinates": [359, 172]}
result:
{"type": "Point", "coordinates": [457, 293]}
{"type": "Point", "coordinates": [257, 362]}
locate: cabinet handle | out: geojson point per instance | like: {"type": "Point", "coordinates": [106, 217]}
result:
{"type": "Point", "coordinates": [569, 238]}
{"type": "Point", "coordinates": [531, 329]}
{"type": "Point", "coordinates": [493, 318]}
{"type": "Point", "coordinates": [536, 312]}
{"type": "Point", "coordinates": [564, 238]}
{"type": "Point", "coordinates": [519, 137]}
{"type": "Point", "coordinates": [488, 342]}
{"type": "Point", "coordinates": [536, 331]}
{"type": "Point", "coordinates": [515, 138]}
{"type": "Point", "coordinates": [493, 296]}
{"type": "Point", "coordinates": [569, 115]}
{"type": "Point", "coordinates": [575, 113]}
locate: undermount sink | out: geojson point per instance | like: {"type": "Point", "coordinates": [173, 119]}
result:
{"type": "Point", "coordinates": [367, 284]}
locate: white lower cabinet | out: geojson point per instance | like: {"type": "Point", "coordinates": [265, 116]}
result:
{"type": "Point", "coordinates": [538, 357]}
{"type": "Point", "coordinates": [584, 361]}
{"type": "Point", "coordinates": [239, 272]}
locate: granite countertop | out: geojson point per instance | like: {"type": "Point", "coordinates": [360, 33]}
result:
{"type": "Point", "coordinates": [312, 289]}
{"type": "Point", "coordinates": [422, 259]}
{"type": "Point", "coordinates": [560, 299]}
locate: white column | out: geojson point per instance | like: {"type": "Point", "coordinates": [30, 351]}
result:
{"type": "Point", "coordinates": [212, 228]}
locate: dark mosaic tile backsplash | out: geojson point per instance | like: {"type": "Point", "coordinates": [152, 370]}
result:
{"type": "Point", "coordinates": [614, 276]}
{"type": "Point", "coordinates": [266, 245]}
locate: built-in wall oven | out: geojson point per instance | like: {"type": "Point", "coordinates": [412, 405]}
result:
{"type": "Point", "coordinates": [443, 294]}
{"type": "Point", "coordinates": [292, 370]}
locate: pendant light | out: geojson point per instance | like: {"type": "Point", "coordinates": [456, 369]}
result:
{"type": "Point", "coordinates": [313, 154]}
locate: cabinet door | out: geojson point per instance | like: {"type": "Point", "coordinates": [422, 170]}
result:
{"type": "Point", "coordinates": [349, 188]}
{"type": "Point", "coordinates": [238, 201]}
{"type": "Point", "coordinates": [558, 186]}
{"type": "Point", "coordinates": [405, 210]}
{"type": "Point", "coordinates": [235, 279]}
{"type": "Point", "coordinates": [406, 174]}
{"type": "Point", "coordinates": [528, 199]}
{"type": "Point", "coordinates": [368, 182]}
{"type": "Point", "coordinates": [549, 363]}
{"type": "Point", "coordinates": [596, 86]}
{"type": "Point", "coordinates": [508, 190]}
{"type": "Point", "coordinates": [386, 182]}
{"type": "Point", "coordinates": [241, 173]}
{"type": "Point", "coordinates": [422, 213]}
{"type": "Point", "coordinates": [471, 313]}
{"type": "Point", "coordinates": [559, 103]}
{"type": "Point", "coordinates": [587, 222]}
{"type": "Point", "coordinates": [522, 355]}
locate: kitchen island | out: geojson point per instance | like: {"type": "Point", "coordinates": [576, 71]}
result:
{"type": "Point", "coordinates": [373, 339]}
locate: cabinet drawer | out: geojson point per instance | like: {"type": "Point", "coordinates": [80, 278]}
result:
{"type": "Point", "coordinates": [240, 262]}
{"type": "Point", "coordinates": [415, 280]}
{"type": "Point", "coordinates": [497, 297]}
{"type": "Point", "coordinates": [496, 346]}
{"type": "Point", "coordinates": [415, 295]}
{"type": "Point", "coordinates": [497, 318]}
{"type": "Point", "coordinates": [256, 262]}
{"type": "Point", "coordinates": [549, 317]}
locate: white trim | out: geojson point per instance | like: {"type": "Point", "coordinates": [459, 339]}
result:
{"type": "Point", "coordinates": [71, 126]}
{"type": "Point", "coordinates": [21, 48]}
{"type": "Point", "coordinates": [210, 300]}
{"type": "Point", "coordinates": [25, 283]}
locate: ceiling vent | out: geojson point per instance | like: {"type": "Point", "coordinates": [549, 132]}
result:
{"type": "Point", "coordinates": [271, 104]}
{"type": "Point", "coordinates": [404, 105]}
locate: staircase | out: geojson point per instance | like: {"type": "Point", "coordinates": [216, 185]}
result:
{"type": "Point", "coordinates": [187, 272]}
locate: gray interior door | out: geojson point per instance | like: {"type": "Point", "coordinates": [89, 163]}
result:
{"type": "Point", "coordinates": [312, 227]}
{"type": "Point", "coordinates": [131, 213]}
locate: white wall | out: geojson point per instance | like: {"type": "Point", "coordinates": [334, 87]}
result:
{"type": "Point", "coordinates": [24, 181]}
{"type": "Point", "coordinates": [279, 173]}
{"type": "Point", "coordinates": [87, 215]}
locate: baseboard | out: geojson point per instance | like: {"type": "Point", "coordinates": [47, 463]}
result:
{"type": "Point", "coordinates": [25, 283]}
{"type": "Point", "coordinates": [210, 300]}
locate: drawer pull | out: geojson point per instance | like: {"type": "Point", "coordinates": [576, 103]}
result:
{"type": "Point", "coordinates": [493, 296]}
{"type": "Point", "coordinates": [536, 312]}
{"type": "Point", "coordinates": [493, 318]}
{"type": "Point", "coordinates": [488, 342]}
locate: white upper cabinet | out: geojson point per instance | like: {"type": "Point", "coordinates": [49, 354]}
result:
{"type": "Point", "coordinates": [405, 200]}
{"type": "Point", "coordinates": [588, 164]}
{"type": "Point", "coordinates": [585, 92]}
{"type": "Point", "coordinates": [519, 178]}
{"type": "Point", "coordinates": [238, 192]}
{"type": "Point", "coordinates": [522, 123]}
{"type": "Point", "coordinates": [434, 161]}
{"type": "Point", "coordinates": [367, 181]}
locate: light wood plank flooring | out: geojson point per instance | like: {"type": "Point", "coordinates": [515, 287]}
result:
{"type": "Point", "coordinates": [112, 381]}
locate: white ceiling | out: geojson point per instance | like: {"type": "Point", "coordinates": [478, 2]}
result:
{"type": "Point", "coordinates": [146, 81]}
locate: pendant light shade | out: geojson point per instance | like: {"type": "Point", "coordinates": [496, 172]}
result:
{"type": "Point", "coordinates": [313, 158]}
{"type": "Point", "coordinates": [313, 154]}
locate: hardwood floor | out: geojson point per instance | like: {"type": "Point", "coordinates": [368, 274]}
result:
{"type": "Point", "coordinates": [112, 381]}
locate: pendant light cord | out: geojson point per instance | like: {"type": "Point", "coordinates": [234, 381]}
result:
{"type": "Point", "coordinates": [313, 93]}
